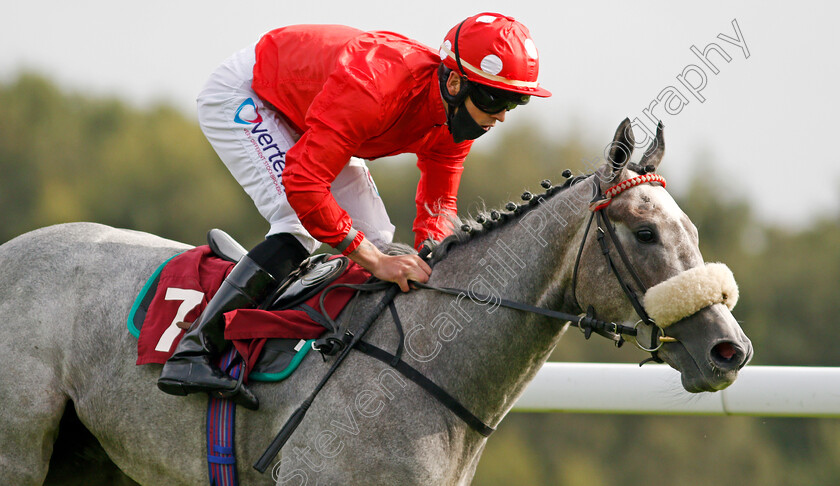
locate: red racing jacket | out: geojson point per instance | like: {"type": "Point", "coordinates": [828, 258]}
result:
{"type": "Point", "coordinates": [364, 94]}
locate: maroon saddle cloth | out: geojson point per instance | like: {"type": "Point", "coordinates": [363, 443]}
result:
{"type": "Point", "coordinates": [180, 289]}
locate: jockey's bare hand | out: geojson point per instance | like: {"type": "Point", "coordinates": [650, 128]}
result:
{"type": "Point", "coordinates": [399, 269]}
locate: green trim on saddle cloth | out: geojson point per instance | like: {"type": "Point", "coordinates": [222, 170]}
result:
{"type": "Point", "coordinates": [270, 375]}
{"type": "Point", "coordinates": [282, 375]}
{"type": "Point", "coordinates": [142, 295]}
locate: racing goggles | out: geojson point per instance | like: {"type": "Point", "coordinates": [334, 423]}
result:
{"type": "Point", "coordinates": [494, 100]}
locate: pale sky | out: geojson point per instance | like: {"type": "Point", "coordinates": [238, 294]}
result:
{"type": "Point", "coordinates": [767, 122]}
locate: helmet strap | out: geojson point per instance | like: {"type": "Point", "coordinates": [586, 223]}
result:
{"type": "Point", "coordinates": [450, 99]}
{"type": "Point", "coordinates": [455, 49]}
{"type": "Point", "coordinates": [458, 119]}
{"type": "Point", "coordinates": [461, 124]}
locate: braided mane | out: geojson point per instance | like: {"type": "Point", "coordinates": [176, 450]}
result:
{"type": "Point", "coordinates": [471, 228]}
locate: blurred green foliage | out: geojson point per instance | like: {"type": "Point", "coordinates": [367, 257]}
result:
{"type": "Point", "coordinates": [65, 157]}
{"type": "Point", "coordinates": [70, 158]}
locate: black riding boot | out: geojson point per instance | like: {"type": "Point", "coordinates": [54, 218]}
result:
{"type": "Point", "coordinates": [191, 368]}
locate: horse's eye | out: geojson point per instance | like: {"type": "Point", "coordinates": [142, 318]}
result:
{"type": "Point", "coordinates": [646, 236]}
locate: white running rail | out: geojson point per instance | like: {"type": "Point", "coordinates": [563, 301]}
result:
{"type": "Point", "coordinates": [655, 389]}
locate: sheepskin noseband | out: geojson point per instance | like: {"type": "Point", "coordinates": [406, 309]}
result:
{"type": "Point", "coordinates": [682, 295]}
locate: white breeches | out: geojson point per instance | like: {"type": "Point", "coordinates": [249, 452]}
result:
{"type": "Point", "coordinates": [252, 139]}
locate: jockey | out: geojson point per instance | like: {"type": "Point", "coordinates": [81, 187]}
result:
{"type": "Point", "coordinates": [293, 116]}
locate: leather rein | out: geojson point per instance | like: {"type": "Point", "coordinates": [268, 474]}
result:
{"type": "Point", "coordinates": [342, 340]}
{"type": "Point", "coordinates": [587, 323]}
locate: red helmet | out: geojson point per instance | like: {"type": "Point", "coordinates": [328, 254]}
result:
{"type": "Point", "coordinates": [494, 50]}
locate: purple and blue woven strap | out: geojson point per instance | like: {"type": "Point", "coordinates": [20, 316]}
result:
{"type": "Point", "coordinates": [221, 416]}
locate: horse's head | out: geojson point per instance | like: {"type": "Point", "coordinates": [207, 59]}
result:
{"type": "Point", "coordinates": [684, 304]}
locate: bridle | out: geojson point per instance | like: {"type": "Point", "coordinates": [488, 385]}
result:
{"type": "Point", "coordinates": [342, 340]}
{"type": "Point", "coordinates": [606, 230]}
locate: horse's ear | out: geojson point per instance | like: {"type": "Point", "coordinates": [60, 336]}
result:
{"type": "Point", "coordinates": [621, 148]}
{"type": "Point", "coordinates": [656, 150]}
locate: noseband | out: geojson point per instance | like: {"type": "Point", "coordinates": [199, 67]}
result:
{"type": "Point", "coordinates": [606, 230]}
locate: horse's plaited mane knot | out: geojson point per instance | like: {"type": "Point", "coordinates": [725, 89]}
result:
{"type": "Point", "coordinates": [485, 222]}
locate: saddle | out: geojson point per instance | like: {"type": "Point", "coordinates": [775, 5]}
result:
{"type": "Point", "coordinates": [280, 357]}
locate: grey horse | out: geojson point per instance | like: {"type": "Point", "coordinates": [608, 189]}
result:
{"type": "Point", "coordinates": [66, 290]}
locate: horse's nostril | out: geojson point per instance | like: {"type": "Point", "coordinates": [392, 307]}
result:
{"type": "Point", "coordinates": [727, 355]}
{"type": "Point", "coordinates": [725, 350]}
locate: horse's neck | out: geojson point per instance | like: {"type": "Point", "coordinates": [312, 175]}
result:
{"type": "Point", "coordinates": [487, 354]}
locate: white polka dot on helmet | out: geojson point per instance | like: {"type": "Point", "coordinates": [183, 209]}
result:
{"type": "Point", "coordinates": [494, 50]}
